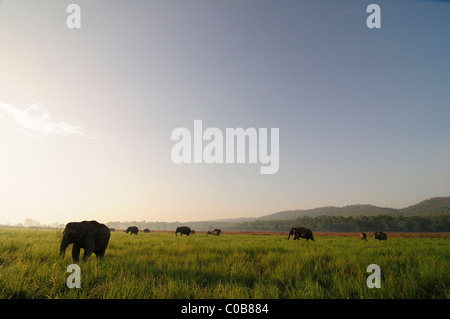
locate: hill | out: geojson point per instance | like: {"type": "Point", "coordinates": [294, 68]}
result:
{"type": "Point", "coordinates": [351, 210]}
{"type": "Point", "coordinates": [433, 206]}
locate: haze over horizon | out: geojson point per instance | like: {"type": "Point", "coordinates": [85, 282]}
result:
{"type": "Point", "coordinates": [86, 115]}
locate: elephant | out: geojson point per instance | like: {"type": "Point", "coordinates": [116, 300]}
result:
{"type": "Point", "coordinates": [215, 232]}
{"type": "Point", "coordinates": [132, 230]}
{"type": "Point", "coordinates": [92, 236]}
{"type": "Point", "coordinates": [363, 236]}
{"type": "Point", "coordinates": [183, 230]}
{"type": "Point", "coordinates": [301, 232]}
{"type": "Point", "coordinates": [146, 230]}
{"type": "Point", "coordinates": [380, 235]}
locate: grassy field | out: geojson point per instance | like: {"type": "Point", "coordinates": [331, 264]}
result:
{"type": "Point", "coordinates": [160, 265]}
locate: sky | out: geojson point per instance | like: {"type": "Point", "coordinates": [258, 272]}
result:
{"type": "Point", "coordinates": [86, 114]}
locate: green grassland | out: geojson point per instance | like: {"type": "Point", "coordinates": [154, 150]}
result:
{"type": "Point", "coordinates": [161, 265]}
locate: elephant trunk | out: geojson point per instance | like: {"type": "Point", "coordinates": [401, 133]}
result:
{"type": "Point", "coordinates": [289, 234]}
{"type": "Point", "coordinates": [62, 248]}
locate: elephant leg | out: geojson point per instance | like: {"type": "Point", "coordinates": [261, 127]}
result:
{"type": "Point", "coordinates": [76, 253]}
{"type": "Point", "coordinates": [86, 254]}
{"type": "Point", "coordinates": [88, 250]}
{"type": "Point", "coordinates": [100, 252]}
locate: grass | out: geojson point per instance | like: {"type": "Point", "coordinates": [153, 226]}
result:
{"type": "Point", "coordinates": [160, 265]}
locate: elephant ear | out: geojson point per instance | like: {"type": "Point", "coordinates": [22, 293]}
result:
{"type": "Point", "coordinates": [77, 232]}
{"type": "Point", "coordinates": [83, 231]}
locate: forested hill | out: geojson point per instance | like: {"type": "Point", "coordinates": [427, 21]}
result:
{"type": "Point", "coordinates": [433, 206]}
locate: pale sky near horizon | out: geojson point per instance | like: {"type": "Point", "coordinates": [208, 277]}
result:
{"type": "Point", "coordinates": [86, 115]}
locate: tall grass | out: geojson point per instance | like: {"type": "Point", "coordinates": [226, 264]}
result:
{"type": "Point", "coordinates": [160, 265]}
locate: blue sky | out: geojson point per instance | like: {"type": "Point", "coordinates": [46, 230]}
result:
{"type": "Point", "coordinates": [86, 114]}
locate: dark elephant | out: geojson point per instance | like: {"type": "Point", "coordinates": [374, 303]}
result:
{"type": "Point", "coordinates": [301, 232]}
{"type": "Point", "coordinates": [146, 230]}
{"type": "Point", "coordinates": [363, 236]}
{"type": "Point", "coordinates": [215, 232]}
{"type": "Point", "coordinates": [132, 230]}
{"type": "Point", "coordinates": [183, 230]}
{"type": "Point", "coordinates": [380, 235]}
{"type": "Point", "coordinates": [92, 236]}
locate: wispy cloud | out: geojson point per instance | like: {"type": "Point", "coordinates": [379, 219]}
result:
{"type": "Point", "coordinates": [36, 121]}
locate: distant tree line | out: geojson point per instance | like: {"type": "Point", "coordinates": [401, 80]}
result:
{"type": "Point", "coordinates": [432, 223]}
{"type": "Point", "coordinates": [400, 223]}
